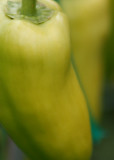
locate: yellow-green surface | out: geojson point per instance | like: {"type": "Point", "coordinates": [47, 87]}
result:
{"type": "Point", "coordinates": [41, 104]}
{"type": "Point", "coordinates": [109, 49]}
{"type": "Point", "coordinates": [89, 22]}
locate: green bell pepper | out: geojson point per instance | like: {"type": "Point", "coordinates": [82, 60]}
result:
{"type": "Point", "coordinates": [89, 22]}
{"type": "Point", "coordinates": [109, 54]}
{"type": "Point", "coordinates": [41, 104]}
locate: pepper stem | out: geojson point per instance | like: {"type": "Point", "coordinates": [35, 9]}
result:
{"type": "Point", "coordinates": [28, 7]}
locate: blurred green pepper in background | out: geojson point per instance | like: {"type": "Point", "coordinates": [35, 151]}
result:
{"type": "Point", "coordinates": [89, 22]}
{"type": "Point", "coordinates": [109, 49]}
{"type": "Point", "coordinates": [89, 25]}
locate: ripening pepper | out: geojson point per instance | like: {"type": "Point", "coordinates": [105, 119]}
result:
{"type": "Point", "coordinates": [89, 22]}
{"type": "Point", "coordinates": [41, 104]}
{"type": "Point", "coordinates": [109, 50]}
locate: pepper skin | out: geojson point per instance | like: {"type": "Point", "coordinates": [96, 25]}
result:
{"type": "Point", "coordinates": [41, 104]}
{"type": "Point", "coordinates": [89, 21]}
{"type": "Point", "coordinates": [109, 54]}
